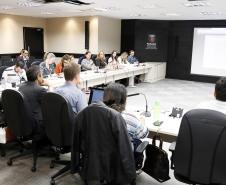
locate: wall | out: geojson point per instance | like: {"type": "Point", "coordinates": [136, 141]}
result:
{"type": "Point", "coordinates": [135, 37]}
{"type": "Point", "coordinates": [180, 49]}
{"type": "Point", "coordinates": [109, 34]}
{"type": "Point", "coordinates": [67, 35]}
{"type": "Point", "coordinates": [11, 31]}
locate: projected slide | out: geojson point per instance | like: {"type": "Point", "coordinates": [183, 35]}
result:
{"type": "Point", "coordinates": [209, 52]}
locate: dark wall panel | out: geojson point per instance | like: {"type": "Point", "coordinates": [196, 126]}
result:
{"type": "Point", "coordinates": [157, 28]}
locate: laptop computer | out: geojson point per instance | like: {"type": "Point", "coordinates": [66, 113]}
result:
{"type": "Point", "coordinates": [96, 95]}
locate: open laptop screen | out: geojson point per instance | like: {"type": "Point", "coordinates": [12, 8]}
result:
{"type": "Point", "coordinates": [96, 95]}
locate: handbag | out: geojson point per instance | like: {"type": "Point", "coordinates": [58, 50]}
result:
{"type": "Point", "coordinates": [157, 163]}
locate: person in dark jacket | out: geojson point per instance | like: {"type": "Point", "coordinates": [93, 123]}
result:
{"type": "Point", "coordinates": [33, 92]}
{"type": "Point", "coordinates": [101, 147]}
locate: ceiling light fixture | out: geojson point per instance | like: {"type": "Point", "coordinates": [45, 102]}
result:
{"type": "Point", "coordinates": [100, 9]}
{"type": "Point", "coordinates": [211, 13]}
{"type": "Point", "coordinates": [28, 3]}
{"type": "Point", "coordinates": [197, 4]}
{"type": "Point", "coordinates": [172, 14]}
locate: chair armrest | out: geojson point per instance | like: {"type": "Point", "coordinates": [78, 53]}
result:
{"type": "Point", "coordinates": [140, 149]}
{"type": "Point", "coordinates": [172, 149]}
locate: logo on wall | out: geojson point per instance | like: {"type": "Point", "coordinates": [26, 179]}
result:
{"type": "Point", "coordinates": [151, 44]}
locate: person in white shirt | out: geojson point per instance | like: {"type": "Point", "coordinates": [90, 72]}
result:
{"type": "Point", "coordinates": [123, 59]}
{"type": "Point", "coordinates": [15, 74]}
{"type": "Point", "coordinates": [219, 104]}
{"type": "Point", "coordinates": [113, 61]}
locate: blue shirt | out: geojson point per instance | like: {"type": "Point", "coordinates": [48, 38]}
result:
{"type": "Point", "coordinates": [73, 95]}
{"type": "Point", "coordinates": [132, 59]}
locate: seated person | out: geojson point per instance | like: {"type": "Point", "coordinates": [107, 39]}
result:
{"type": "Point", "coordinates": [87, 62]}
{"type": "Point", "coordinates": [113, 61]}
{"type": "Point", "coordinates": [66, 59]}
{"type": "Point", "coordinates": [131, 58]}
{"type": "Point", "coordinates": [15, 74]}
{"type": "Point", "coordinates": [47, 67]}
{"type": "Point", "coordinates": [101, 60]}
{"type": "Point", "coordinates": [123, 58]}
{"type": "Point", "coordinates": [70, 90]}
{"type": "Point", "coordinates": [33, 92]}
{"type": "Point", "coordinates": [115, 97]}
{"type": "Point", "coordinates": [24, 57]}
{"type": "Point", "coordinates": [219, 103]}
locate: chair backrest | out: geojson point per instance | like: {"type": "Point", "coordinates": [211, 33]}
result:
{"type": "Point", "coordinates": [200, 153]}
{"type": "Point", "coordinates": [58, 119]}
{"type": "Point", "coordinates": [2, 69]}
{"type": "Point", "coordinates": [36, 63]}
{"type": "Point", "coordinates": [80, 59]}
{"type": "Point", "coordinates": [17, 115]}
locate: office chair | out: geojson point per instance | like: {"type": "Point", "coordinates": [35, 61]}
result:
{"type": "Point", "coordinates": [58, 118]}
{"type": "Point", "coordinates": [80, 59]}
{"type": "Point", "coordinates": [2, 69]}
{"type": "Point", "coordinates": [18, 118]}
{"type": "Point", "coordinates": [101, 148]}
{"type": "Point", "coordinates": [35, 63]}
{"type": "Point", "coordinates": [199, 155]}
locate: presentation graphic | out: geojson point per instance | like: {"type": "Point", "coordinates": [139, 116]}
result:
{"type": "Point", "coordinates": [152, 42]}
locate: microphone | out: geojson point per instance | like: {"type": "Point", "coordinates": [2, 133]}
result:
{"type": "Point", "coordinates": [146, 113]}
{"type": "Point", "coordinates": [135, 94]}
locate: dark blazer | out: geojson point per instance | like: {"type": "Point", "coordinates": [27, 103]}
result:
{"type": "Point", "coordinates": [100, 135]}
{"type": "Point", "coordinates": [33, 95]}
{"type": "Point", "coordinates": [101, 64]}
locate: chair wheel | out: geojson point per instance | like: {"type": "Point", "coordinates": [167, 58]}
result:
{"type": "Point", "coordinates": [51, 165]}
{"type": "Point", "coordinates": [10, 162]}
{"type": "Point", "coordinates": [52, 182]}
{"type": "Point", "coordinates": [33, 169]}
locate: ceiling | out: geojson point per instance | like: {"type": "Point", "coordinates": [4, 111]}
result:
{"type": "Point", "coordinates": [122, 9]}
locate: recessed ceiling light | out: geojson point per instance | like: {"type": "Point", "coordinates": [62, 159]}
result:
{"type": "Point", "coordinates": [171, 14]}
{"type": "Point", "coordinates": [211, 13]}
{"type": "Point", "coordinates": [28, 3]}
{"type": "Point", "coordinates": [153, 6]}
{"type": "Point", "coordinates": [196, 4]}
{"type": "Point", "coordinates": [100, 9]}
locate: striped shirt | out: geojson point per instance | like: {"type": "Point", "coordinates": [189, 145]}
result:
{"type": "Point", "coordinates": [135, 128]}
{"type": "Point", "coordinates": [10, 75]}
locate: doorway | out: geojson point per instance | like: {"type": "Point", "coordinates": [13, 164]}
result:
{"type": "Point", "coordinates": [34, 41]}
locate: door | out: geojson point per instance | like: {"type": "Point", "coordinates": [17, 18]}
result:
{"type": "Point", "coordinates": [34, 41]}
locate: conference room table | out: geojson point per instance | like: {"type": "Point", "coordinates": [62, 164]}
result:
{"type": "Point", "coordinates": [169, 128]}
{"type": "Point", "coordinates": [102, 76]}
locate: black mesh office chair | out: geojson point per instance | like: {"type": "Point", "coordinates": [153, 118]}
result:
{"type": "Point", "coordinates": [18, 119]}
{"type": "Point", "coordinates": [200, 152]}
{"type": "Point", "coordinates": [58, 118]}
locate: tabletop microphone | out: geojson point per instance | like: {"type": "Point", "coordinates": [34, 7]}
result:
{"type": "Point", "coordinates": [146, 113]}
{"type": "Point", "coordinates": [135, 94]}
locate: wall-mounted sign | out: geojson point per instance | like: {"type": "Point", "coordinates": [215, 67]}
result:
{"type": "Point", "coordinates": [151, 43]}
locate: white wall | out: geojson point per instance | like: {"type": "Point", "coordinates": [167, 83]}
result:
{"type": "Point", "coordinates": [63, 35]}
{"type": "Point", "coordinates": [11, 31]}
{"type": "Point", "coordinates": [109, 34]}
